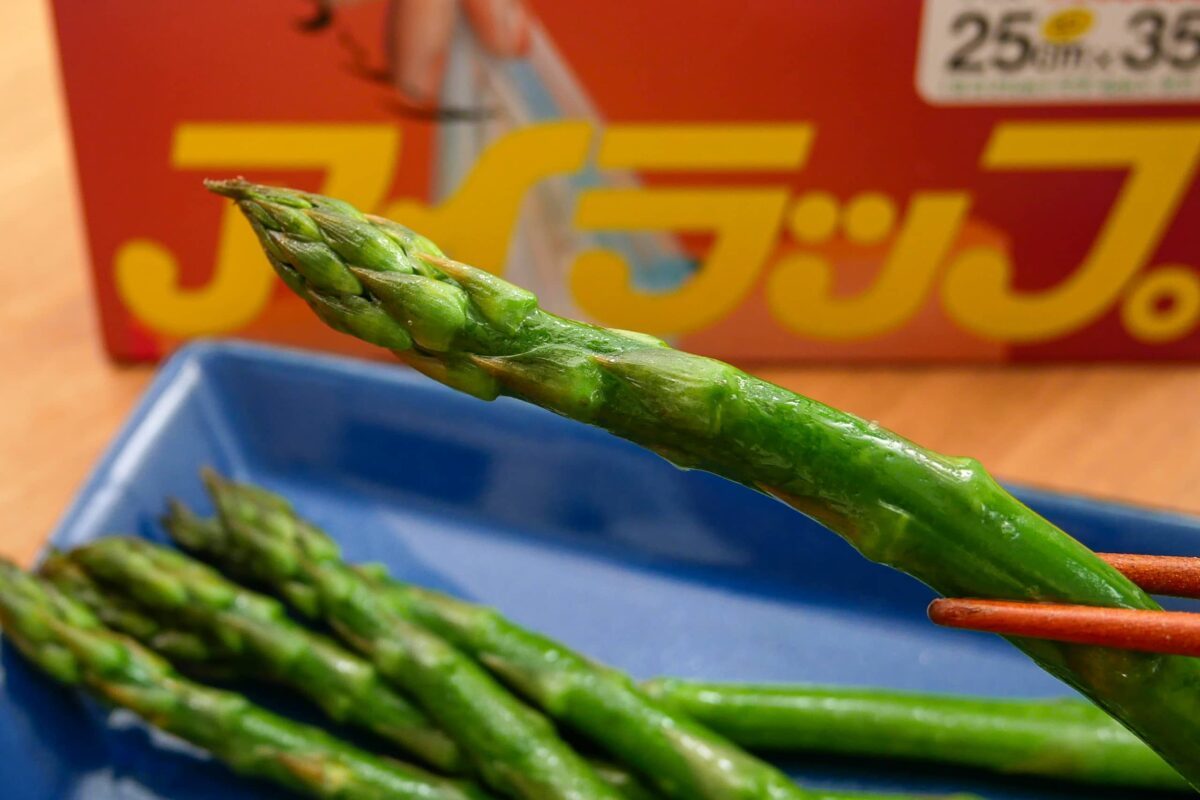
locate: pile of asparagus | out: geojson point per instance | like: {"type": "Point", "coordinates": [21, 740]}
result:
{"type": "Point", "coordinates": [487, 708]}
{"type": "Point", "coordinates": [498, 711]}
{"type": "Point", "coordinates": [943, 520]}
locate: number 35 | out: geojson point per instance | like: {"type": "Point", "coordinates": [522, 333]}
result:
{"type": "Point", "coordinates": [1180, 47]}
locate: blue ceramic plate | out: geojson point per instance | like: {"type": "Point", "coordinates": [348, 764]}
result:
{"type": "Point", "coordinates": [565, 528]}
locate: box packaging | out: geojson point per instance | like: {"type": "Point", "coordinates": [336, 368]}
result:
{"type": "Point", "coordinates": [1009, 180]}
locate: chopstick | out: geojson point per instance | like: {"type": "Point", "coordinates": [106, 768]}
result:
{"type": "Point", "coordinates": [1174, 576]}
{"type": "Point", "coordinates": [1167, 632]}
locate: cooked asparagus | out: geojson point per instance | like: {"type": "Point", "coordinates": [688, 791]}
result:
{"type": "Point", "coordinates": [228, 627]}
{"type": "Point", "coordinates": [676, 756]}
{"type": "Point", "coordinates": [208, 650]}
{"type": "Point", "coordinates": [512, 747]}
{"type": "Point", "coordinates": [1064, 739]}
{"type": "Point", "coordinates": [943, 520]}
{"type": "Point", "coordinates": [188, 650]}
{"type": "Point", "coordinates": [682, 759]}
{"type": "Point", "coordinates": [67, 642]}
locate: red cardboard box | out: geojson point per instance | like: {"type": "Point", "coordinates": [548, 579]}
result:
{"type": "Point", "coordinates": [1008, 180]}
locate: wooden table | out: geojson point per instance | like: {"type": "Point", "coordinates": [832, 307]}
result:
{"type": "Point", "coordinates": [1124, 431]}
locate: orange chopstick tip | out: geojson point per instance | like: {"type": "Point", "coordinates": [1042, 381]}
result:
{"type": "Point", "coordinates": [1167, 632]}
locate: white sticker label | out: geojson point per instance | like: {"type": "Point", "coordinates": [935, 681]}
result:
{"type": "Point", "coordinates": [1016, 52]}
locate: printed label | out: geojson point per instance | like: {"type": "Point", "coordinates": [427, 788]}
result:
{"type": "Point", "coordinates": [1016, 52]}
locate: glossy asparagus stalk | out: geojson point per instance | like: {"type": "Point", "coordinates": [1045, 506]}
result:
{"type": "Point", "coordinates": [1064, 739]}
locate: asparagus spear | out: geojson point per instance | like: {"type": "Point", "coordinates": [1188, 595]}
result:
{"type": "Point", "coordinates": [512, 747]}
{"type": "Point", "coordinates": [943, 520]}
{"type": "Point", "coordinates": [1065, 739]}
{"type": "Point", "coordinates": [67, 642]}
{"type": "Point", "coordinates": [674, 754]}
{"type": "Point", "coordinates": [190, 650]}
{"type": "Point", "coordinates": [214, 650]}
{"type": "Point", "coordinates": [225, 625]}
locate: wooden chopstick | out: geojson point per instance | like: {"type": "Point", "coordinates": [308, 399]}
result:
{"type": "Point", "coordinates": [1170, 632]}
{"type": "Point", "coordinates": [1175, 576]}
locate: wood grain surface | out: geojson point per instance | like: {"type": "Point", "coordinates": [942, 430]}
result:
{"type": "Point", "coordinates": [1127, 432]}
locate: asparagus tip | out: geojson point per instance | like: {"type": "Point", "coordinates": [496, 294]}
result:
{"type": "Point", "coordinates": [213, 480]}
{"type": "Point", "coordinates": [234, 188]}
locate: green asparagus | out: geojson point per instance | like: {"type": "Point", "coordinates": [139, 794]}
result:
{"type": "Point", "coordinates": [67, 642]}
{"type": "Point", "coordinates": [1071, 740]}
{"type": "Point", "coordinates": [512, 747]}
{"type": "Point", "coordinates": [943, 520]}
{"type": "Point", "coordinates": [1060, 739]}
{"type": "Point", "coordinates": [671, 752]}
{"type": "Point", "coordinates": [230, 626]}
{"type": "Point", "coordinates": [188, 650]}
{"type": "Point", "coordinates": [680, 758]}
{"type": "Point", "coordinates": [1063, 739]}
{"type": "Point", "coordinates": [213, 653]}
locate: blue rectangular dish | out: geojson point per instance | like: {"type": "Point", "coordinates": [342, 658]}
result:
{"type": "Point", "coordinates": [569, 530]}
